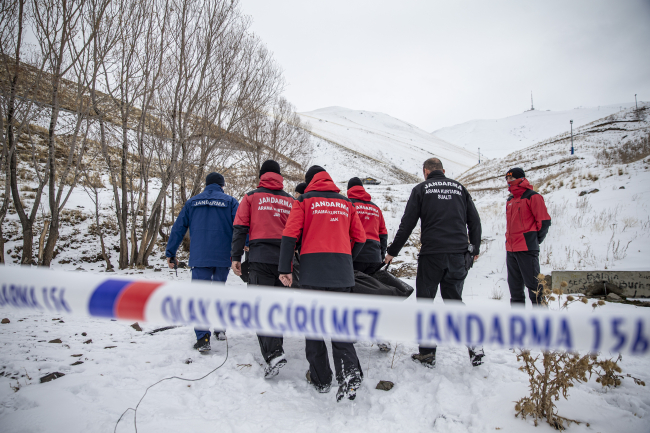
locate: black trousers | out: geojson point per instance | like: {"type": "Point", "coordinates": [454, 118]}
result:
{"type": "Point", "coordinates": [345, 356]}
{"type": "Point", "coordinates": [265, 274]}
{"type": "Point", "coordinates": [364, 267]}
{"type": "Point", "coordinates": [444, 270]}
{"type": "Point", "coordinates": [523, 270]}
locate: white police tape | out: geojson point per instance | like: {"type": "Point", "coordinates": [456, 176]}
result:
{"type": "Point", "coordinates": [316, 314]}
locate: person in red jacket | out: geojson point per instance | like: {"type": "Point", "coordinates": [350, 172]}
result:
{"type": "Point", "coordinates": [262, 215]}
{"type": "Point", "coordinates": [373, 252]}
{"type": "Point", "coordinates": [300, 189]}
{"type": "Point", "coordinates": [528, 222]}
{"type": "Point", "coordinates": [332, 236]}
{"type": "Point", "coordinates": [371, 257]}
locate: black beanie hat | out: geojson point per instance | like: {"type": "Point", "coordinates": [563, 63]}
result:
{"type": "Point", "coordinates": [516, 172]}
{"type": "Point", "coordinates": [355, 181]}
{"type": "Point", "coordinates": [312, 172]}
{"type": "Point", "coordinates": [270, 166]}
{"type": "Point", "coordinates": [214, 177]}
{"type": "Point", "coordinates": [300, 188]}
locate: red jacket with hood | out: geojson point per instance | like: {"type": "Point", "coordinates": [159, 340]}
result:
{"type": "Point", "coordinates": [528, 220]}
{"type": "Point", "coordinates": [262, 214]}
{"type": "Point", "coordinates": [373, 223]}
{"type": "Point", "coordinates": [332, 235]}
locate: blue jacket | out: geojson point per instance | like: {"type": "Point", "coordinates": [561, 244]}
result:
{"type": "Point", "coordinates": [209, 216]}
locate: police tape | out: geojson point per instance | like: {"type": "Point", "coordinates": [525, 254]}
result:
{"type": "Point", "coordinates": [317, 314]}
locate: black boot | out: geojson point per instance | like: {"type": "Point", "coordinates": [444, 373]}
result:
{"type": "Point", "coordinates": [426, 359]}
{"type": "Point", "coordinates": [274, 365]}
{"type": "Point", "coordinates": [203, 344]}
{"type": "Point", "coordinates": [349, 385]}
{"type": "Point", "coordinates": [323, 389]}
{"type": "Point", "coordinates": [476, 355]}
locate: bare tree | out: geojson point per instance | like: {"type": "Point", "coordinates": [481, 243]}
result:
{"type": "Point", "coordinates": [124, 83]}
{"type": "Point", "coordinates": [278, 135]}
{"type": "Point", "coordinates": [20, 85]}
{"type": "Point", "coordinates": [92, 183]}
{"type": "Point", "coordinates": [64, 38]}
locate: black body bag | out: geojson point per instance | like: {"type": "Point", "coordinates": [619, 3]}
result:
{"type": "Point", "coordinates": [381, 282]}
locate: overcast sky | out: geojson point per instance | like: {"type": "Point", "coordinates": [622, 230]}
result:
{"type": "Point", "coordinates": [439, 63]}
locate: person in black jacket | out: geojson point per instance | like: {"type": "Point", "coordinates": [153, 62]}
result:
{"type": "Point", "coordinates": [451, 238]}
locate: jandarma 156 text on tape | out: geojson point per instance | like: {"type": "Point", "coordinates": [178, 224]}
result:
{"type": "Point", "coordinates": [277, 311]}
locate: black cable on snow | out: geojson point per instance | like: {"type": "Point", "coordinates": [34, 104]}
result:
{"type": "Point", "coordinates": [135, 416]}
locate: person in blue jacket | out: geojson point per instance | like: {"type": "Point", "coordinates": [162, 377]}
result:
{"type": "Point", "coordinates": [209, 216]}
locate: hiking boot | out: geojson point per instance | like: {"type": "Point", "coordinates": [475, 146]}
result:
{"type": "Point", "coordinates": [220, 335]}
{"type": "Point", "coordinates": [428, 360]}
{"type": "Point", "coordinates": [476, 355]}
{"type": "Point", "coordinates": [323, 389]}
{"type": "Point", "coordinates": [203, 344]}
{"type": "Point", "coordinates": [349, 385]}
{"type": "Point", "coordinates": [274, 365]}
{"type": "Point", "coordinates": [384, 347]}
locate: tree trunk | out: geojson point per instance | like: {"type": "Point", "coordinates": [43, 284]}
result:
{"type": "Point", "coordinates": [2, 246]}
{"type": "Point", "coordinates": [41, 241]}
{"type": "Point", "coordinates": [51, 145]}
{"type": "Point", "coordinates": [26, 222]}
{"type": "Point", "coordinates": [124, 252]}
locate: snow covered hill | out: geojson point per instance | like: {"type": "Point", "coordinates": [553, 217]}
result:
{"type": "Point", "coordinates": [608, 228]}
{"type": "Point", "coordinates": [383, 143]}
{"type": "Point", "coordinates": [499, 137]}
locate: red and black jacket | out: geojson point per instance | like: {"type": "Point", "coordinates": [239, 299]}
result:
{"type": "Point", "coordinates": [262, 214]}
{"type": "Point", "coordinates": [332, 235]}
{"type": "Point", "coordinates": [372, 219]}
{"type": "Point", "coordinates": [528, 220]}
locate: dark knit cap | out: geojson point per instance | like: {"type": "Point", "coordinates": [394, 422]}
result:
{"type": "Point", "coordinates": [300, 188]}
{"type": "Point", "coordinates": [214, 177]}
{"type": "Point", "coordinates": [516, 172]}
{"type": "Point", "coordinates": [355, 181]}
{"type": "Point", "coordinates": [270, 166]}
{"type": "Point", "coordinates": [312, 172]}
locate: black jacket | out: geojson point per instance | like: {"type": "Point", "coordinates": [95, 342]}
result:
{"type": "Point", "coordinates": [448, 214]}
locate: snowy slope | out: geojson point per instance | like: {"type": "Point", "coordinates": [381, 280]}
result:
{"type": "Point", "coordinates": [387, 140]}
{"type": "Point", "coordinates": [499, 137]}
{"type": "Point", "coordinates": [343, 163]}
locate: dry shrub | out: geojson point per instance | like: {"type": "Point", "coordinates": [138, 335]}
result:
{"type": "Point", "coordinates": [552, 373]}
{"type": "Point", "coordinates": [108, 226]}
{"type": "Point", "coordinates": [497, 293]}
{"type": "Point", "coordinates": [631, 151]}
{"type": "Point", "coordinates": [405, 270]}
{"type": "Point", "coordinates": [93, 181]}
{"type": "Point", "coordinates": [415, 240]}
{"type": "Point", "coordinates": [556, 374]}
{"type": "Point", "coordinates": [72, 216]}
{"type": "Point", "coordinates": [608, 373]}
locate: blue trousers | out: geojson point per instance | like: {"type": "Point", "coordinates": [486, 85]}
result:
{"type": "Point", "coordinates": [209, 274]}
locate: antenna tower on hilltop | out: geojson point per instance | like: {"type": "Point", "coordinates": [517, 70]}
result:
{"type": "Point", "coordinates": [532, 107]}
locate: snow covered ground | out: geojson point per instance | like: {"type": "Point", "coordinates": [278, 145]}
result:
{"type": "Point", "coordinates": [498, 137]}
{"type": "Point", "coordinates": [454, 397]}
{"type": "Point", "coordinates": [610, 228]}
